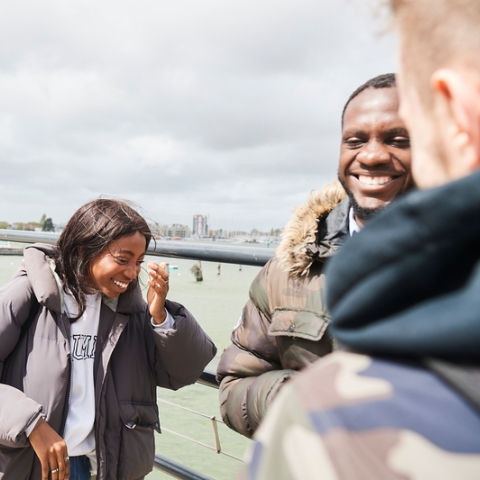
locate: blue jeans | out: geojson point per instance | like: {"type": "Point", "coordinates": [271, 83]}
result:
{"type": "Point", "coordinates": [79, 468]}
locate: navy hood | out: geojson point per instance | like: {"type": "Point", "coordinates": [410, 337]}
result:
{"type": "Point", "coordinates": [409, 284]}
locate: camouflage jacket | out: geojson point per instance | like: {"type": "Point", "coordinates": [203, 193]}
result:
{"type": "Point", "coordinates": [282, 327]}
{"type": "Point", "coordinates": [353, 417]}
{"type": "Point", "coordinates": [406, 287]}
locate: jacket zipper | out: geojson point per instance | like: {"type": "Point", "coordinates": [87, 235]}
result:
{"type": "Point", "coordinates": [70, 383]}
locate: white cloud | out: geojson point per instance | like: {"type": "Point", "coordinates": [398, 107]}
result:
{"type": "Point", "coordinates": [224, 107]}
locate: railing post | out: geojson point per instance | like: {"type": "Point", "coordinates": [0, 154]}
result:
{"type": "Point", "coordinates": [216, 438]}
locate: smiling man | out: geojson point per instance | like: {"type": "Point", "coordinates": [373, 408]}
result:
{"type": "Point", "coordinates": [375, 160]}
{"type": "Point", "coordinates": [283, 326]}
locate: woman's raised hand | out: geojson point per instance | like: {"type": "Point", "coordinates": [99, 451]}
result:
{"type": "Point", "coordinates": [51, 450]}
{"type": "Point", "coordinates": [157, 292]}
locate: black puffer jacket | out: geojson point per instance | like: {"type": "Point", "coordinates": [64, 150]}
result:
{"type": "Point", "coordinates": [409, 284]}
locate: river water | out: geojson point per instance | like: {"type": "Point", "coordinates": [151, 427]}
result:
{"type": "Point", "coordinates": [216, 302]}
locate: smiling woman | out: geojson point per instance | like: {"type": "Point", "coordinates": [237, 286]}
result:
{"type": "Point", "coordinates": [77, 309]}
{"type": "Point", "coordinates": [114, 268]}
{"type": "Point", "coordinates": [87, 242]}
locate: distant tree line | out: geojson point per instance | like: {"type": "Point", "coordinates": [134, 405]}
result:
{"type": "Point", "coordinates": [45, 224]}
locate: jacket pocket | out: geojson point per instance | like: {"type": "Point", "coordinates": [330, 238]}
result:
{"type": "Point", "coordinates": [137, 449]}
{"type": "Point", "coordinates": [298, 323]}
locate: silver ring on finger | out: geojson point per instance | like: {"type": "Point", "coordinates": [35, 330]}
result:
{"type": "Point", "coordinates": [66, 459]}
{"type": "Point", "coordinates": [55, 470]}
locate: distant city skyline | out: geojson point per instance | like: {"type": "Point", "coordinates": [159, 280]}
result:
{"type": "Point", "coordinates": [175, 230]}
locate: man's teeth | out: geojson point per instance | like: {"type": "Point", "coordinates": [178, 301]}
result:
{"type": "Point", "coordinates": [365, 180]}
{"type": "Point", "coordinates": [120, 284]}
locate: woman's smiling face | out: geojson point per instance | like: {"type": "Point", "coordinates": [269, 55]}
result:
{"type": "Point", "coordinates": [114, 268]}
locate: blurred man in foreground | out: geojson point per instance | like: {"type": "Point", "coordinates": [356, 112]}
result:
{"type": "Point", "coordinates": [404, 294]}
{"type": "Point", "coordinates": [283, 326]}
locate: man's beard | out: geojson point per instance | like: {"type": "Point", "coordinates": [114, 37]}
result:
{"type": "Point", "coordinates": [362, 213]}
{"type": "Point", "coordinates": [365, 214]}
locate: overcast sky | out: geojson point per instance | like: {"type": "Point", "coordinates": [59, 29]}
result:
{"type": "Point", "coordinates": [229, 108]}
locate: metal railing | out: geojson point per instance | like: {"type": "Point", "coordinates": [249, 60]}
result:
{"type": "Point", "coordinates": [208, 379]}
{"type": "Point", "coordinates": [177, 249]}
{"type": "Point", "coordinates": [210, 252]}
{"type": "Point", "coordinates": [177, 470]}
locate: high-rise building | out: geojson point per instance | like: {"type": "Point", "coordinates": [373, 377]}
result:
{"type": "Point", "coordinates": [178, 231]}
{"type": "Point", "coordinates": [200, 225]}
{"type": "Point", "coordinates": [172, 231]}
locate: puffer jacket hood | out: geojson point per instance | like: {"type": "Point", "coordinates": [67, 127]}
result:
{"type": "Point", "coordinates": [409, 283]}
{"type": "Point", "coordinates": [300, 243]}
{"type": "Point", "coordinates": [41, 277]}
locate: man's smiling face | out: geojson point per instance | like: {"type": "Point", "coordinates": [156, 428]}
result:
{"type": "Point", "coordinates": [375, 159]}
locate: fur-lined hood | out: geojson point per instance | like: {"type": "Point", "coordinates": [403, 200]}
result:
{"type": "Point", "coordinates": [295, 251]}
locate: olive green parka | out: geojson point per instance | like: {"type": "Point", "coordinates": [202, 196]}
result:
{"type": "Point", "coordinates": [282, 326]}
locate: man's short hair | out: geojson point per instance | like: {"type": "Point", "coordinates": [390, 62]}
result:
{"type": "Point", "coordinates": [386, 80]}
{"type": "Point", "coordinates": [436, 34]}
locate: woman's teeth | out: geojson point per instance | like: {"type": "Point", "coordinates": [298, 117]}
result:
{"type": "Point", "coordinates": [120, 284]}
{"type": "Point", "coordinates": [365, 180]}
